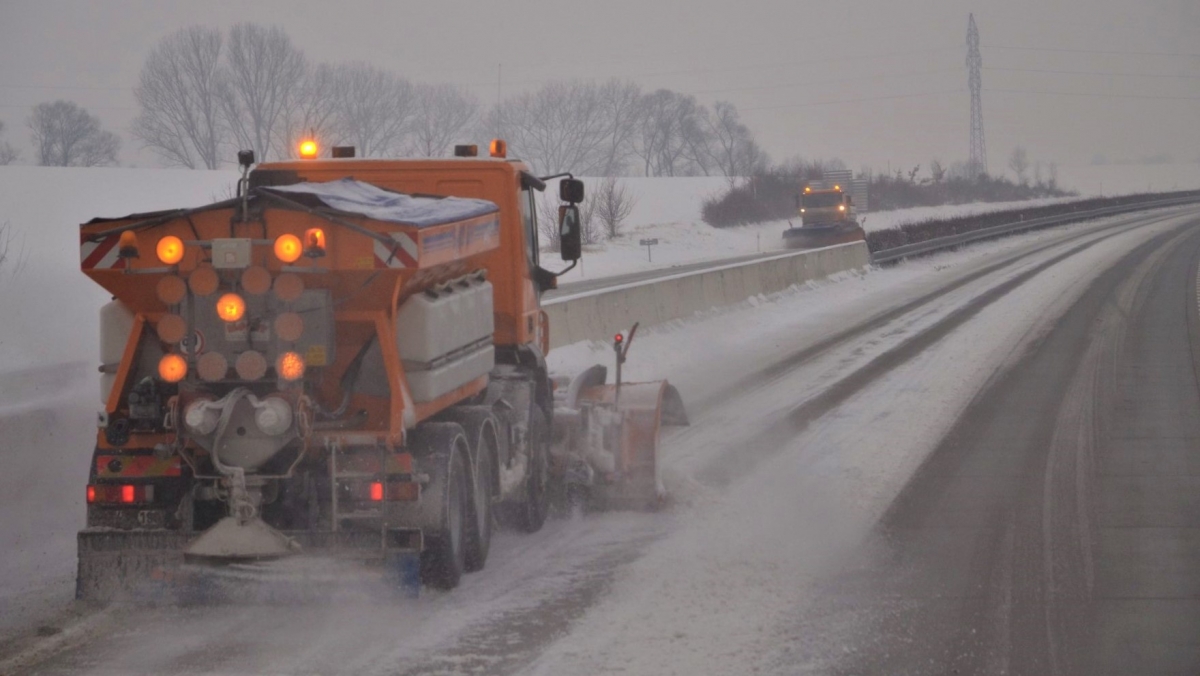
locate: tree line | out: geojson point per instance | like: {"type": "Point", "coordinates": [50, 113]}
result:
{"type": "Point", "coordinates": [202, 93]}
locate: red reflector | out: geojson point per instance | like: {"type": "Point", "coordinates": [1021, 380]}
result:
{"type": "Point", "coordinates": [127, 493]}
{"type": "Point", "coordinates": [91, 494]}
{"type": "Point", "coordinates": [376, 491]}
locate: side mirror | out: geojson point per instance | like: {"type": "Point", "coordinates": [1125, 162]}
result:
{"type": "Point", "coordinates": [570, 190]}
{"type": "Point", "coordinates": [570, 232]}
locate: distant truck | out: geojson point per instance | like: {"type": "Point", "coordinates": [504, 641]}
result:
{"type": "Point", "coordinates": [829, 211]}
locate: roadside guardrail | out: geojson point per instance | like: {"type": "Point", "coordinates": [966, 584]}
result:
{"type": "Point", "coordinates": [894, 254]}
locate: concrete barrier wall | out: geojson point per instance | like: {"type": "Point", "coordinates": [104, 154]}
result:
{"type": "Point", "coordinates": [597, 315]}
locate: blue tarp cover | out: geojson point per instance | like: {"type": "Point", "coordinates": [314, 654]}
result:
{"type": "Point", "coordinates": [356, 197]}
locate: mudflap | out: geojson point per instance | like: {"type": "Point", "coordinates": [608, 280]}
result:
{"type": "Point", "coordinates": [817, 236]}
{"type": "Point", "coordinates": [149, 568]}
{"type": "Point", "coordinates": [626, 471]}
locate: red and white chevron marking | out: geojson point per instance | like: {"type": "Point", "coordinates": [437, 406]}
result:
{"type": "Point", "coordinates": [405, 252]}
{"type": "Point", "coordinates": [101, 254]}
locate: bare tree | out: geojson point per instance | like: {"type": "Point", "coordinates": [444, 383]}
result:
{"type": "Point", "coordinates": [12, 251]}
{"type": "Point", "coordinates": [614, 204]}
{"type": "Point", "coordinates": [263, 74]}
{"type": "Point", "coordinates": [442, 115]}
{"type": "Point", "coordinates": [912, 174]}
{"type": "Point", "coordinates": [8, 154]}
{"type": "Point", "coordinates": [622, 108]}
{"type": "Point", "coordinates": [66, 135]}
{"type": "Point", "coordinates": [559, 127]}
{"type": "Point", "coordinates": [314, 113]}
{"type": "Point", "coordinates": [733, 148]}
{"type": "Point", "coordinates": [374, 110]}
{"type": "Point", "coordinates": [1052, 181]}
{"type": "Point", "coordinates": [1019, 163]}
{"type": "Point", "coordinates": [178, 94]}
{"type": "Point", "coordinates": [937, 171]}
{"type": "Point", "coordinates": [672, 139]}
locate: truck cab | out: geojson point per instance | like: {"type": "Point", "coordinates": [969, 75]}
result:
{"type": "Point", "coordinates": [825, 206]}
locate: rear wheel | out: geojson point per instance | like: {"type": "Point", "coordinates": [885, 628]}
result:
{"type": "Point", "coordinates": [480, 426]}
{"type": "Point", "coordinates": [531, 510]}
{"type": "Point", "coordinates": [443, 560]}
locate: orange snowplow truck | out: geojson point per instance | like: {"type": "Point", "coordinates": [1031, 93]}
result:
{"type": "Point", "coordinates": [344, 363]}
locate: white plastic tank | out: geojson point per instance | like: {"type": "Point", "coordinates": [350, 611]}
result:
{"type": "Point", "coordinates": [433, 328]}
{"type": "Point", "coordinates": [116, 321]}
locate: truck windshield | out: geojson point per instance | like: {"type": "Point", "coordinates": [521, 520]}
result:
{"type": "Point", "coordinates": [529, 223]}
{"type": "Point", "coordinates": [819, 200]}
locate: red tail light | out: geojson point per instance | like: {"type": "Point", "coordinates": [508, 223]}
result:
{"type": "Point", "coordinates": [376, 491]}
{"type": "Point", "coordinates": [120, 494]}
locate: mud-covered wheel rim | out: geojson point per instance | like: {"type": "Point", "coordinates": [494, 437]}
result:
{"type": "Point", "coordinates": [539, 476]}
{"type": "Point", "coordinates": [455, 509]}
{"type": "Point", "coordinates": [483, 500]}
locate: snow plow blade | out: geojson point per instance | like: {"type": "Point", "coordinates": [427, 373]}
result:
{"type": "Point", "coordinates": [817, 236]}
{"type": "Point", "coordinates": [610, 435]}
{"type": "Point", "coordinates": [150, 568]}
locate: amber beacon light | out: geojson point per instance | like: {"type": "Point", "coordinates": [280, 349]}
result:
{"type": "Point", "coordinates": [172, 368]}
{"type": "Point", "coordinates": [170, 250]}
{"type": "Point", "coordinates": [288, 248]}
{"type": "Point", "coordinates": [231, 307]}
{"type": "Point", "coordinates": [290, 366]}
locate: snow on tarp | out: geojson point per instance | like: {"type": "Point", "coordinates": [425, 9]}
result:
{"type": "Point", "coordinates": [356, 197]}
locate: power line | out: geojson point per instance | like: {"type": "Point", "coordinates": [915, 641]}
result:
{"type": "Point", "coordinates": [1092, 51]}
{"type": "Point", "coordinates": [1096, 95]}
{"type": "Point", "coordinates": [833, 80]}
{"type": "Point", "coordinates": [79, 87]}
{"type": "Point", "coordinates": [755, 66]}
{"type": "Point", "coordinates": [858, 100]}
{"type": "Point", "coordinates": [1095, 72]}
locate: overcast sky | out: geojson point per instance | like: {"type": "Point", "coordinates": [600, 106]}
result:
{"type": "Point", "coordinates": [870, 81]}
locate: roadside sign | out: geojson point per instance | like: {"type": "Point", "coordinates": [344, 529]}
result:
{"type": "Point", "coordinates": [648, 243]}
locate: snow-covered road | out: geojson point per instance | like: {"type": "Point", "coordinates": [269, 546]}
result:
{"type": "Point", "coordinates": [811, 410]}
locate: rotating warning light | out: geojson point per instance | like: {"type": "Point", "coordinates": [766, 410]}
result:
{"type": "Point", "coordinates": [498, 148]}
{"type": "Point", "coordinates": [288, 248]}
{"type": "Point", "coordinates": [170, 249]}
{"type": "Point", "coordinates": [308, 149]}
{"type": "Point", "coordinates": [231, 307]}
{"type": "Point", "coordinates": [172, 368]}
{"type": "Point", "coordinates": [314, 243]}
{"type": "Point", "coordinates": [127, 245]}
{"type": "Point", "coordinates": [290, 366]}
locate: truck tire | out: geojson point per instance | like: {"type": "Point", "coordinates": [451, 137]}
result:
{"type": "Point", "coordinates": [443, 559]}
{"type": "Point", "coordinates": [481, 429]}
{"type": "Point", "coordinates": [530, 511]}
